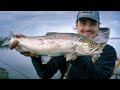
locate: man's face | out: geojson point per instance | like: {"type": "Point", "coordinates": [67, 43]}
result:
{"type": "Point", "coordinates": [87, 27]}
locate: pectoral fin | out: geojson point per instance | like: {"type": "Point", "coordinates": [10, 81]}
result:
{"type": "Point", "coordinates": [71, 56]}
{"type": "Point", "coordinates": [45, 59]}
{"type": "Point", "coordinates": [21, 49]}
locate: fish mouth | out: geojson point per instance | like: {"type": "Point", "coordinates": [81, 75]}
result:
{"type": "Point", "coordinates": [96, 51]}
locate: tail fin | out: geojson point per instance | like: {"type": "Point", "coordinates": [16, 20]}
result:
{"type": "Point", "coordinates": [6, 43]}
{"type": "Point", "coordinates": [11, 34]}
{"type": "Point", "coordinates": [7, 40]}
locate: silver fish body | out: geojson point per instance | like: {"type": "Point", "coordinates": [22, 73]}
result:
{"type": "Point", "coordinates": [56, 44]}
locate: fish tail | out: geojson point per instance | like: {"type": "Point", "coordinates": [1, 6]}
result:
{"type": "Point", "coordinates": [6, 43]}
{"type": "Point", "coordinates": [11, 34]}
{"type": "Point", "coordinates": [7, 40]}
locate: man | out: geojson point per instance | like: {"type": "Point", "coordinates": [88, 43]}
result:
{"type": "Point", "coordinates": [82, 67]}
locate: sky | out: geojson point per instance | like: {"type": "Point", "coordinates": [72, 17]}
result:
{"type": "Point", "coordinates": [40, 22]}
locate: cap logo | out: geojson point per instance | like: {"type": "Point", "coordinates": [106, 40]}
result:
{"type": "Point", "coordinates": [91, 12]}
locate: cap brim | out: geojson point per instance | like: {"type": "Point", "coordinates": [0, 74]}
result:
{"type": "Point", "coordinates": [89, 16]}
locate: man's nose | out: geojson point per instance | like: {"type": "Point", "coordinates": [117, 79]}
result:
{"type": "Point", "coordinates": [87, 27]}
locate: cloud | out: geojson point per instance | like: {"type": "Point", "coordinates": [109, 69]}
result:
{"type": "Point", "coordinates": [29, 21]}
{"type": "Point", "coordinates": [111, 19]}
{"type": "Point", "coordinates": [39, 22]}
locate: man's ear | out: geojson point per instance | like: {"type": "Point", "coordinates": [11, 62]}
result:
{"type": "Point", "coordinates": [76, 24]}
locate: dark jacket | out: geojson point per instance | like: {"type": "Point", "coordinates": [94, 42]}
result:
{"type": "Point", "coordinates": [82, 67]}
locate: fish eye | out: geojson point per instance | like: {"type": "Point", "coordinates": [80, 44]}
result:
{"type": "Point", "coordinates": [91, 45]}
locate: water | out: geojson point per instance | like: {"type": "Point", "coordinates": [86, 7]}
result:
{"type": "Point", "coordinates": [116, 44]}
{"type": "Point", "coordinates": [20, 67]}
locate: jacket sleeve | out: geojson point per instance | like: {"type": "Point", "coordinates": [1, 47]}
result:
{"type": "Point", "coordinates": [46, 71]}
{"type": "Point", "coordinates": [101, 69]}
{"type": "Point", "coordinates": [105, 64]}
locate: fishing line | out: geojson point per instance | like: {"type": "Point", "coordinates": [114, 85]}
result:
{"type": "Point", "coordinates": [15, 69]}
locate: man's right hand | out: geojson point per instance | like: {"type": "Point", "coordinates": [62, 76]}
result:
{"type": "Point", "coordinates": [28, 54]}
{"type": "Point", "coordinates": [19, 35]}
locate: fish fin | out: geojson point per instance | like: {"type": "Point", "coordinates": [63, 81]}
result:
{"type": "Point", "coordinates": [6, 42]}
{"type": "Point", "coordinates": [21, 49]}
{"type": "Point", "coordinates": [71, 56]}
{"type": "Point", "coordinates": [45, 59]}
{"type": "Point", "coordinates": [51, 33]}
{"type": "Point", "coordinates": [55, 54]}
{"type": "Point", "coordinates": [11, 34]}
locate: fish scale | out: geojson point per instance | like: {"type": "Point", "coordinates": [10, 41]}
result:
{"type": "Point", "coordinates": [56, 44]}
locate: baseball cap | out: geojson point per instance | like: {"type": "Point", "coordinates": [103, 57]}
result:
{"type": "Point", "coordinates": [89, 14]}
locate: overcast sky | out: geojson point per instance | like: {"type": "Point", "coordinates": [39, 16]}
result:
{"type": "Point", "coordinates": [41, 22]}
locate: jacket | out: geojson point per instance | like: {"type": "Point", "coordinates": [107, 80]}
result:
{"type": "Point", "coordinates": [83, 67]}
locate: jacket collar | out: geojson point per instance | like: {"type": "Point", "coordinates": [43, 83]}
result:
{"type": "Point", "coordinates": [103, 35]}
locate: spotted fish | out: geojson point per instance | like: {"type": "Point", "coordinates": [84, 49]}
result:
{"type": "Point", "coordinates": [56, 44]}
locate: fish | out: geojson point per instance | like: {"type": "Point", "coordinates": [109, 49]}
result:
{"type": "Point", "coordinates": [56, 44]}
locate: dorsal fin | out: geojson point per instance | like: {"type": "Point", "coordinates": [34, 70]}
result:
{"type": "Point", "coordinates": [51, 33]}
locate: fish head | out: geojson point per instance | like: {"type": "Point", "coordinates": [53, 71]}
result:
{"type": "Point", "coordinates": [87, 46]}
{"type": "Point", "coordinates": [94, 49]}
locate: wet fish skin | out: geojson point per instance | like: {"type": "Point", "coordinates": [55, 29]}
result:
{"type": "Point", "coordinates": [56, 44]}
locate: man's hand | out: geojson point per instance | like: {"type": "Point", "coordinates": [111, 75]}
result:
{"type": "Point", "coordinates": [28, 54]}
{"type": "Point", "coordinates": [19, 35]}
{"type": "Point", "coordinates": [15, 43]}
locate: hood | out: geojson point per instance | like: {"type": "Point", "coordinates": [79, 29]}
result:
{"type": "Point", "coordinates": [103, 35]}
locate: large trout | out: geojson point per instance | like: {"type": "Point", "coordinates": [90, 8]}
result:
{"type": "Point", "coordinates": [56, 44]}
